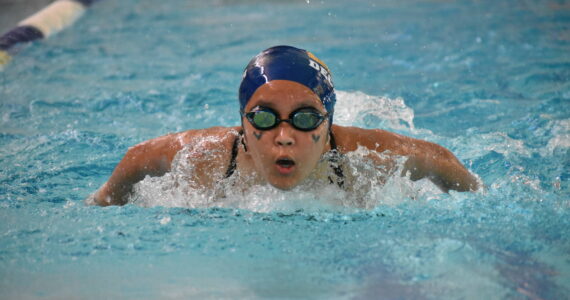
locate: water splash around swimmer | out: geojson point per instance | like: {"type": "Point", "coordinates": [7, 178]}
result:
{"type": "Point", "coordinates": [370, 187]}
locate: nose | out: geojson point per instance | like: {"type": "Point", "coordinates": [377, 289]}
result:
{"type": "Point", "coordinates": [284, 135]}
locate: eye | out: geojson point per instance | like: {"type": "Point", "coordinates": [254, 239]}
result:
{"type": "Point", "coordinates": [264, 118]}
{"type": "Point", "coordinates": [306, 119]}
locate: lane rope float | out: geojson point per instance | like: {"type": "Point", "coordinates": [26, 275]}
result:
{"type": "Point", "coordinates": [55, 17]}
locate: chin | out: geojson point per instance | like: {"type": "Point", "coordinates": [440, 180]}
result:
{"type": "Point", "coordinates": [284, 185]}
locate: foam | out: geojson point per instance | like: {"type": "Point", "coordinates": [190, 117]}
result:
{"type": "Point", "coordinates": [353, 107]}
{"type": "Point", "coordinates": [368, 184]}
{"type": "Point", "coordinates": [560, 129]}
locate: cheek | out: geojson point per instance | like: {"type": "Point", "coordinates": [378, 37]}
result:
{"type": "Point", "coordinates": [257, 147]}
{"type": "Point", "coordinates": [257, 135]}
{"type": "Point", "coordinates": [316, 144]}
{"type": "Point", "coordinates": [316, 137]}
{"type": "Point", "coordinates": [320, 137]}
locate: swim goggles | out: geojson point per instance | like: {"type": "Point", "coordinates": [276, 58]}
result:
{"type": "Point", "coordinates": [303, 119]}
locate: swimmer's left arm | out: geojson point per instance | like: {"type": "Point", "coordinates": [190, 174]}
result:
{"type": "Point", "coordinates": [438, 164]}
{"type": "Point", "coordinates": [424, 159]}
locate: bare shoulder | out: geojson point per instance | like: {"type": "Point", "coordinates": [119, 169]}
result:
{"type": "Point", "coordinates": [209, 152]}
{"type": "Point", "coordinates": [350, 138]}
{"type": "Point", "coordinates": [425, 159]}
{"type": "Point", "coordinates": [209, 137]}
{"type": "Point", "coordinates": [170, 144]}
{"type": "Point", "coordinates": [154, 158]}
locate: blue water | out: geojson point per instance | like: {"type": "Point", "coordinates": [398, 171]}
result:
{"type": "Point", "coordinates": [490, 80]}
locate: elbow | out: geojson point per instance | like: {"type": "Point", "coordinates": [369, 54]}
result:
{"type": "Point", "coordinates": [455, 184]}
{"type": "Point", "coordinates": [459, 179]}
{"type": "Point", "coordinates": [105, 197]}
{"type": "Point", "coordinates": [101, 200]}
{"type": "Point", "coordinates": [443, 169]}
{"type": "Point", "coordinates": [101, 197]}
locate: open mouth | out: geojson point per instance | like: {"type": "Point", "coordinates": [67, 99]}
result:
{"type": "Point", "coordinates": [285, 166]}
{"type": "Point", "coordinates": [285, 163]}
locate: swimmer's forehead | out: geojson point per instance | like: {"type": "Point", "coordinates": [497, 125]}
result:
{"type": "Point", "coordinates": [275, 93]}
{"type": "Point", "coordinates": [296, 105]}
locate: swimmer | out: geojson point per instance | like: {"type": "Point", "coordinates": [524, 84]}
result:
{"type": "Point", "coordinates": [286, 136]}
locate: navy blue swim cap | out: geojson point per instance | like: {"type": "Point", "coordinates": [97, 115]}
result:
{"type": "Point", "coordinates": [288, 63]}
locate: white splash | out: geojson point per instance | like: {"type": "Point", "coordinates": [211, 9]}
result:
{"type": "Point", "coordinates": [560, 131]}
{"type": "Point", "coordinates": [367, 184]}
{"type": "Point", "coordinates": [352, 107]}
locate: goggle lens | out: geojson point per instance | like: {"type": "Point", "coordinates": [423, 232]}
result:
{"type": "Point", "coordinates": [304, 119]}
{"type": "Point", "coordinates": [264, 119]}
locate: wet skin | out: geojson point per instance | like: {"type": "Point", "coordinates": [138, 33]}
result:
{"type": "Point", "coordinates": [282, 156]}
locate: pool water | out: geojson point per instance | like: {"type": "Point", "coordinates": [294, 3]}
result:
{"type": "Point", "coordinates": [490, 80]}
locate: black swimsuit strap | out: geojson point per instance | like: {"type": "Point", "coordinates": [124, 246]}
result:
{"type": "Point", "coordinates": [335, 159]}
{"type": "Point", "coordinates": [233, 160]}
{"type": "Point", "coordinates": [332, 141]}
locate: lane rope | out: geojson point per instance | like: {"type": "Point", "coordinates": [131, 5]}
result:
{"type": "Point", "coordinates": [55, 17]}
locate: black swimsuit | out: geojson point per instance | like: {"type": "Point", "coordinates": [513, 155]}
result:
{"type": "Point", "coordinates": [233, 162]}
{"type": "Point", "coordinates": [334, 159]}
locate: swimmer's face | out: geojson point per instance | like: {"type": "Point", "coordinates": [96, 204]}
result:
{"type": "Point", "coordinates": [285, 156]}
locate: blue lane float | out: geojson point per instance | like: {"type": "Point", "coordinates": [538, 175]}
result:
{"type": "Point", "coordinates": [43, 24]}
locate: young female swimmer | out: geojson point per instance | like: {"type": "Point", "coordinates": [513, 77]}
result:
{"type": "Point", "coordinates": [287, 105]}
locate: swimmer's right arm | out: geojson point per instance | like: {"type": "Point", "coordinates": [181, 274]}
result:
{"type": "Point", "coordinates": [151, 158]}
